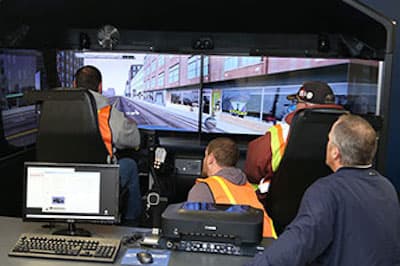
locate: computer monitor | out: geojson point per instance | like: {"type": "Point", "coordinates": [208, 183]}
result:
{"type": "Point", "coordinates": [71, 193]}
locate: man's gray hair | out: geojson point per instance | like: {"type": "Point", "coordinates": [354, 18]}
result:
{"type": "Point", "coordinates": [356, 140]}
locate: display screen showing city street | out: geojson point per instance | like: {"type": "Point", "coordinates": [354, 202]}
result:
{"type": "Point", "coordinates": [189, 93]}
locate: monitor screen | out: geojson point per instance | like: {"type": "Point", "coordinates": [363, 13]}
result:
{"type": "Point", "coordinates": [68, 192]}
{"type": "Point", "coordinates": [188, 93]}
{"type": "Point", "coordinates": [21, 70]}
{"type": "Point", "coordinates": [243, 95]}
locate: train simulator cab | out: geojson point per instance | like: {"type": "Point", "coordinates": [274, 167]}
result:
{"type": "Point", "coordinates": [186, 74]}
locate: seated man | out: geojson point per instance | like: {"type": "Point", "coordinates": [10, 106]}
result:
{"type": "Point", "coordinates": [117, 132]}
{"type": "Point", "coordinates": [264, 153]}
{"type": "Point", "coordinates": [351, 217]}
{"type": "Point", "coordinates": [225, 183]}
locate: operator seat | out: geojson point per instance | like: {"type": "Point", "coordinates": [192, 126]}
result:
{"type": "Point", "coordinates": [302, 163]}
{"type": "Point", "coordinates": [68, 127]}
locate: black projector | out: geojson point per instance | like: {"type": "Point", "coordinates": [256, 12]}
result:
{"type": "Point", "coordinates": [213, 228]}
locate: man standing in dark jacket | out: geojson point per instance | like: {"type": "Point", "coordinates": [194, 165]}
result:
{"type": "Point", "coordinates": [351, 217]}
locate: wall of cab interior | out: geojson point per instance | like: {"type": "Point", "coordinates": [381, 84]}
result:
{"type": "Point", "coordinates": [248, 66]}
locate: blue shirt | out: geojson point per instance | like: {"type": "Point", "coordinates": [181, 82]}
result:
{"type": "Point", "coordinates": [349, 218]}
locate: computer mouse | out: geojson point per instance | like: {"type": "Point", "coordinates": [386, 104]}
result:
{"type": "Point", "coordinates": [144, 257]}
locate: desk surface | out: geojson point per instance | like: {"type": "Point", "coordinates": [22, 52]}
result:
{"type": "Point", "coordinates": [11, 228]}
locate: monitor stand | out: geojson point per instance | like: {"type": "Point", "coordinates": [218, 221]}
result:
{"type": "Point", "coordinates": [72, 231]}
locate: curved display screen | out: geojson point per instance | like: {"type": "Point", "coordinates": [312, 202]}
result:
{"type": "Point", "coordinates": [219, 94]}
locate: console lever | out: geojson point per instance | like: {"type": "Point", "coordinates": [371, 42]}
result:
{"type": "Point", "coordinates": [160, 155]}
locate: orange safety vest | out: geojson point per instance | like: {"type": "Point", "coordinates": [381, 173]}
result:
{"type": "Point", "coordinates": [226, 192]}
{"type": "Point", "coordinates": [103, 116]}
{"type": "Point", "coordinates": [279, 134]}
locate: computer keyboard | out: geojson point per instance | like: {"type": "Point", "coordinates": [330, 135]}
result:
{"type": "Point", "coordinates": [66, 247]}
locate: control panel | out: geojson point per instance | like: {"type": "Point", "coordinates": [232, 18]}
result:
{"type": "Point", "coordinates": [211, 247]}
{"type": "Point", "coordinates": [188, 166]}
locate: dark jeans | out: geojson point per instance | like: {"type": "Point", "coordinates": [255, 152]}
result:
{"type": "Point", "coordinates": [129, 176]}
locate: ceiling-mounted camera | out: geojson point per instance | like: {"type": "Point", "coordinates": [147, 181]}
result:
{"type": "Point", "coordinates": [203, 43]}
{"type": "Point", "coordinates": [324, 45]}
{"type": "Point", "coordinates": [84, 41]}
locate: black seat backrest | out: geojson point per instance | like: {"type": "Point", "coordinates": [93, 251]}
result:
{"type": "Point", "coordinates": [68, 127]}
{"type": "Point", "coordinates": [303, 162]}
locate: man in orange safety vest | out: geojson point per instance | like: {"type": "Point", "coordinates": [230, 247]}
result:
{"type": "Point", "coordinates": [225, 183]}
{"type": "Point", "coordinates": [118, 132]}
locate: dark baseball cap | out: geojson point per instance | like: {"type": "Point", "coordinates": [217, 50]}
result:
{"type": "Point", "coordinates": [317, 92]}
